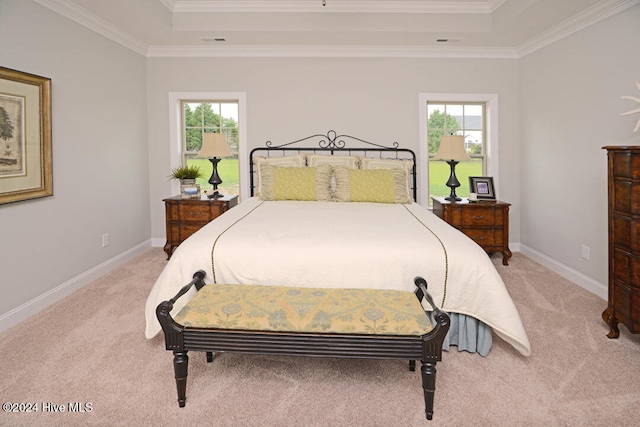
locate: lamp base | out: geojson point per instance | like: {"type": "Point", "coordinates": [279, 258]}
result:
{"type": "Point", "coordinates": [453, 182]}
{"type": "Point", "coordinates": [215, 179]}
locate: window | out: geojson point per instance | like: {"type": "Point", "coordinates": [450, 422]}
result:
{"type": "Point", "coordinates": [447, 118]}
{"type": "Point", "coordinates": [211, 116]}
{"type": "Point", "coordinates": [178, 135]}
{"type": "Point", "coordinates": [473, 115]}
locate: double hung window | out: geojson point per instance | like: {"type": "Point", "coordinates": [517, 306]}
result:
{"type": "Point", "coordinates": [211, 116]}
{"type": "Point", "coordinates": [456, 118]}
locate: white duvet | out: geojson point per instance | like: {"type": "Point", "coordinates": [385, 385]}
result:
{"type": "Point", "coordinates": [343, 245]}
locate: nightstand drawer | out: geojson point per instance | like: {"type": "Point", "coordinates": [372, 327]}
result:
{"type": "Point", "coordinates": [187, 230]}
{"type": "Point", "coordinates": [485, 237]}
{"type": "Point", "coordinates": [482, 217]}
{"type": "Point", "coordinates": [191, 212]}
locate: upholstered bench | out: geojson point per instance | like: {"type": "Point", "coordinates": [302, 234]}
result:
{"type": "Point", "coordinates": [298, 321]}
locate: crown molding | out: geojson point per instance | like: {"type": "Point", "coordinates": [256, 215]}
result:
{"type": "Point", "coordinates": [494, 4]}
{"type": "Point", "coordinates": [169, 4]}
{"type": "Point", "coordinates": [70, 10]}
{"type": "Point", "coordinates": [596, 13]}
{"type": "Point", "coordinates": [331, 52]}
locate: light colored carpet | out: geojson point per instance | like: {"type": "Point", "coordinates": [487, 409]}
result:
{"type": "Point", "coordinates": [90, 347]}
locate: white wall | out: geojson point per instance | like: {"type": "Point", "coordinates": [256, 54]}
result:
{"type": "Point", "coordinates": [289, 98]}
{"type": "Point", "coordinates": [100, 155]}
{"type": "Point", "coordinates": [569, 109]}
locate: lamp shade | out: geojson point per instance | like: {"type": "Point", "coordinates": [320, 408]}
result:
{"type": "Point", "coordinates": [214, 145]}
{"type": "Point", "coordinates": [452, 148]}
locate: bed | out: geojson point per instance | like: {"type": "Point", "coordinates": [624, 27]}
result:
{"type": "Point", "coordinates": [334, 211]}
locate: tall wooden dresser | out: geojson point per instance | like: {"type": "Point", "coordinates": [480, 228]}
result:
{"type": "Point", "coordinates": [624, 239]}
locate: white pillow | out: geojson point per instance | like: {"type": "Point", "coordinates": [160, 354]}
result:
{"type": "Point", "coordinates": [350, 162]}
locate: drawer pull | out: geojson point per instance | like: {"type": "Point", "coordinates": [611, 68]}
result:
{"type": "Point", "coordinates": [195, 213]}
{"type": "Point", "coordinates": [478, 217]}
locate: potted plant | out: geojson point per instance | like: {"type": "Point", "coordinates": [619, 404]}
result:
{"type": "Point", "coordinates": [189, 172]}
{"type": "Point", "coordinates": [187, 176]}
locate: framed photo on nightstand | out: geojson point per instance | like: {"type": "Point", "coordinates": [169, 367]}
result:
{"type": "Point", "coordinates": [483, 187]}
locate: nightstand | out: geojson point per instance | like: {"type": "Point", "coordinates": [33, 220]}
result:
{"type": "Point", "coordinates": [186, 216]}
{"type": "Point", "coordinates": [486, 223]}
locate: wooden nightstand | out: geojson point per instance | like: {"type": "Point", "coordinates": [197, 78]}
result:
{"type": "Point", "coordinates": [186, 216]}
{"type": "Point", "coordinates": [487, 223]}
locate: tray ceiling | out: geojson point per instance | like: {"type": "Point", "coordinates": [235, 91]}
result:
{"type": "Point", "coordinates": [403, 28]}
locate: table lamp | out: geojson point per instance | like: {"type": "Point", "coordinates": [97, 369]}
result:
{"type": "Point", "coordinates": [214, 147]}
{"type": "Point", "coordinates": [452, 151]}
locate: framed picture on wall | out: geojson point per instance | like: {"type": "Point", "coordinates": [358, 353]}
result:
{"type": "Point", "coordinates": [483, 187]}
{"type": "Point", "coordinates": [25, 136]}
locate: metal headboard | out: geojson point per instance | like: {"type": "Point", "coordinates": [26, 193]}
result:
{"type": "Point", "coordinates": [334, 144]}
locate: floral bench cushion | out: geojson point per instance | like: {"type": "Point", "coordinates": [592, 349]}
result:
{"type": "Point", "coordinates": [321, 310]}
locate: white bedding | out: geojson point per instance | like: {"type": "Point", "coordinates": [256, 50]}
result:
{"type": "Point", "coordinates": [346, 245]}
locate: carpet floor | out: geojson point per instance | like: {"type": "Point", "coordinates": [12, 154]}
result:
{"type": "Point", "coordinates": [85, 361]}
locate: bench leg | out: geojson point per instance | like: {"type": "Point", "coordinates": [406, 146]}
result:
{"type": "Point", "coordinates": [180, 367]}
{"type": "Point", "coordinates": [428, 386]}
{"type": "Point", "coordinates": [412, 365]}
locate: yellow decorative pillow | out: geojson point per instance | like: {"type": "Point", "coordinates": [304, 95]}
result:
{"type": "Point", "coordinates": [371, 186]}
{"type": "Point", "coordinates": [293, 183]}
{"type": "Point", "coordinates": [378, 163]}
{"type": "Point", "coordinates": [374, 185]}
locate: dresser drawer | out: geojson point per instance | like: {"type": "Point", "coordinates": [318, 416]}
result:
{"type": "Point", "coordinates": [626, 234]}
{"type": "Point", "coordinates": [626, 197]}
{"type": "Point", "coordinates": [626, 303]}
{"type": "Point", "coordinates": [626, 268]}
{"type": "Point", "coordinates": [625, 165]}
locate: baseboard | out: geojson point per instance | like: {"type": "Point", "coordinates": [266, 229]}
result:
{"type": "Point", "coordinates": [63, 290]}
{"type": "Point", "coordinates": [568, 273]}
{"type": "Point", "coordinates": [157, 242]}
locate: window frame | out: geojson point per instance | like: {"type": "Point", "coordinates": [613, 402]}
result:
{"type": "Point", "coordinates": [491, 143]}
{"type": "Point", "coordinates": [176, 155]}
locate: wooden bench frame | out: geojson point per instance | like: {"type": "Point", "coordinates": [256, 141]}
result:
{"type": "Point", "coordinates": [426, 348]}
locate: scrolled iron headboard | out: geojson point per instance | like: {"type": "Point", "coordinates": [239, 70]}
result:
{"type": "Point", "coordinates": [334, 144]}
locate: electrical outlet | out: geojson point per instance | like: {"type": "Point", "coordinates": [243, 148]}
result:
{"type": "Point", "coordinates": [105, 240]}
{"type": "Point", "coordinates": [585, 252]}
